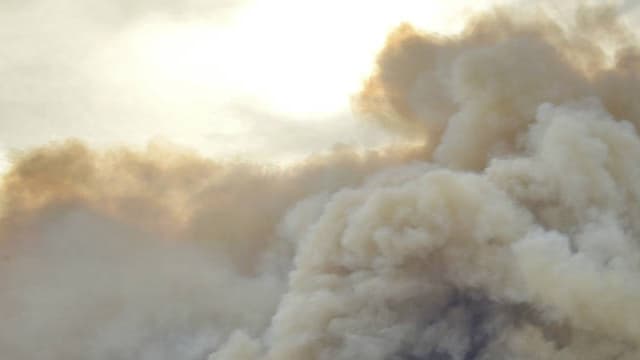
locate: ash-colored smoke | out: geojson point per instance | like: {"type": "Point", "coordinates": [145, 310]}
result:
{"type": "Point", "coordinates": [515, 236]}
{"type": "Point", "coordinates": [158, 254]}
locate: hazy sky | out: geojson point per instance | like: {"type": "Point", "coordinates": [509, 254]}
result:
{"type": "Point", "coordinates": [267, 78]}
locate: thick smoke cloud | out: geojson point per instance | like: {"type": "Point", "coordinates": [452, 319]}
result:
{"type": "Point", "coordinates": [157, 254]}
{"type": "Point", "coordinates": [491, 79]}
{"type": "Point", "coordinates": [513, 234]}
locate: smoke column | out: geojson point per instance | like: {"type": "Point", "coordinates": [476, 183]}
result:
{"type": "Point", "coordinates": [510, 232]}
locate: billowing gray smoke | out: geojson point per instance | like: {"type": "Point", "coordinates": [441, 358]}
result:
{"type": "Point", "coordinates": [512, 234]}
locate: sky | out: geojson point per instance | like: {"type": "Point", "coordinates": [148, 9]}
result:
{"type": "Point", "coordinates": [256, 79]}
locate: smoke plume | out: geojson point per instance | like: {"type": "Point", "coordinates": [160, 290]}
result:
{"type": "Point", "coordinates": [511, 234]}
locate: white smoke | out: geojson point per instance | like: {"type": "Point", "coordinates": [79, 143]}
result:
{"type": "Point", "coordinates": [80, 286]}
{"type": "Point", "coordinates": [512, 234]}
{"type": "Point", "coordinates": [535, 249]}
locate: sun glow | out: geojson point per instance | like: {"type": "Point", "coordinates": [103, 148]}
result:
{"type": "Point", "coordinates": [290, 56]}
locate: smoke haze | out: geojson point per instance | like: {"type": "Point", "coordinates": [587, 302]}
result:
{"type": "Point", "coordinates": [129, 72]}
{"type": "Point", "coordinates": [504, 224]}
